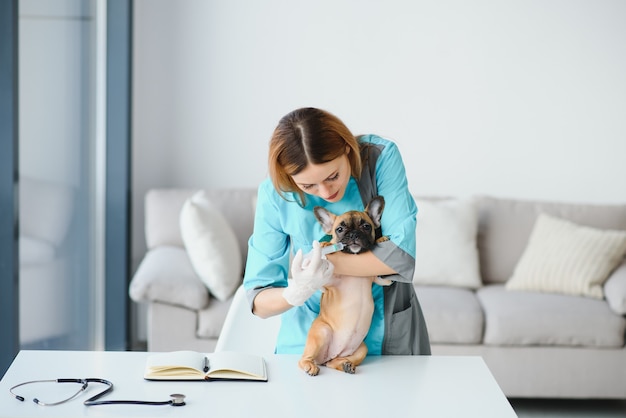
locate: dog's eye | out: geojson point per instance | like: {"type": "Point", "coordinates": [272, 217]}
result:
{"type": "Point", "coordinates": [366, 227]}
{"type": "Point", "coordinates": [340, 228]}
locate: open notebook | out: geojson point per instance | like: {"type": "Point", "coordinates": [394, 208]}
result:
{"type": "Point", "coordinates": [191, 365]}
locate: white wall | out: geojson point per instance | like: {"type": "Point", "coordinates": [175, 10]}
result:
{"type": "Point", "coordinates": [523, 98]}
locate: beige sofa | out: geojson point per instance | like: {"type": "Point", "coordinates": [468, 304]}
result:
{"type": "Point", "coordinates": [537, 344]}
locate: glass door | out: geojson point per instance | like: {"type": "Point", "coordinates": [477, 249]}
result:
{"type": "Point", "coordinates": [58, 175]}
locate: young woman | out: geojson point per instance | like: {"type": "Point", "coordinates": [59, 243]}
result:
{"type": "Point", "coordinates": [314, 160]}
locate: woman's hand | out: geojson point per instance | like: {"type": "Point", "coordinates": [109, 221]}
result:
{"type": "Point", "coordinates": [308, 275]}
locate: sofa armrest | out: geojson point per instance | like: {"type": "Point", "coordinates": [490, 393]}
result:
{"type": "Point", "coordinates": [165, 275]}
{"type": "Point", "coordinates": [615, 289]}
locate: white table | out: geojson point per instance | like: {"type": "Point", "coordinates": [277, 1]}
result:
{"type": "Point", "coordinates": [383, 386]}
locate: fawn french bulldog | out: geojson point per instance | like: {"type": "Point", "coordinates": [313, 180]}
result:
{"type": "Point", "coordinates": [336, 336]}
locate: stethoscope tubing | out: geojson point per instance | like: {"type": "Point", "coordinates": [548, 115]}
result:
{"type": "Point", "coordinates": [122, 402]}
{"type": "Point", "coordinates": [176, 399]}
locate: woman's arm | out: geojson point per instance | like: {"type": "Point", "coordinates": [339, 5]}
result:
{"type": "Point", "coordinates": [267, 264]}
{"type": "Point", "coordinates": [395, 257]}
{"type": "Point", "coordinates": [270, 302]}
{"type": "Point", "coordinates": [365, 264]}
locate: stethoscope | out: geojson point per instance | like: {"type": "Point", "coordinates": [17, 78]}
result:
{"type": "Point", "coordinates": [176, 399]}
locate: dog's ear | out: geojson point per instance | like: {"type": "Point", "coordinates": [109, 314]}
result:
{"type": "Point", "coordinates": [375, 210]}
{"type": "Point", "coordinates": [325, 218]}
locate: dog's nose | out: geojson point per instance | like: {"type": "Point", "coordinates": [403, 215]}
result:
{"type": "Point", "coordinates": [353, 235]}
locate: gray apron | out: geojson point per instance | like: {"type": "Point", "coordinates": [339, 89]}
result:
{"type": "Point", "coordinates": [405, 328]}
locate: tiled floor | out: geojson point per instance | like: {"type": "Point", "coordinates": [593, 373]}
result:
{"type": "Point", "coordinates": [560, 408]}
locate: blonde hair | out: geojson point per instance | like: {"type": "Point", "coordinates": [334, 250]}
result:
{"type": "Point", "coordinates": [308, 136]}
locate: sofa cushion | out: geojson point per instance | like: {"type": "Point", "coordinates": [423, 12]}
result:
{"type": "Point", "coordinates": [453, 315]}
{"type": "Point", "coordinates": [165, 275]}
{"type": "Point", "coordinates": [567, 258]}
{"type": "Point", "coordinates": [162, 216]}
{"type": "Point", "coordinates": [211, 245]}
{"type": "Point", "coordinates": [163, 206]}
{"type": "Point", "coordinates": [504, 226]}
{"type": "Point", "coordinates": [446, 252]}
{"type": "Point", "coordinates": [529, 318]}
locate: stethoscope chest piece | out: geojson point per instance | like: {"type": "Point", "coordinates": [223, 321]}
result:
{"type": "Point", "coordinates": [177, 399]}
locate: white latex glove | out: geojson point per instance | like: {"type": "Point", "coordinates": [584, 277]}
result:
{"type": "Point", "coordinates": [308, 275]}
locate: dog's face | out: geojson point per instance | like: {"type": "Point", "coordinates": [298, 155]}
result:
{"type": "Point", "coordinates": [354, 229]}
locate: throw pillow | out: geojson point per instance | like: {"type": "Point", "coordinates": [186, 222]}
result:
{"type": "Point", "coordinates": [563, 257]}
{"type": "Point", "coordinates": [446, 252]}
{"type": "Point", "coordinates": [212, 246]}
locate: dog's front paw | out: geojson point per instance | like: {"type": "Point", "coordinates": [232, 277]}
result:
{"type": "Point", "coordinates": [309, 367]}
{"type": "Point", "coordinates": [348, 367]}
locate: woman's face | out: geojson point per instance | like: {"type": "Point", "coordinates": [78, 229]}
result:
{"type": "Point", "coordinates": [328, 180]}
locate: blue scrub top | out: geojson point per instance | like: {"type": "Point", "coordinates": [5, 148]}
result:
{"type": "Point", "coordinates": [282, 227]}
